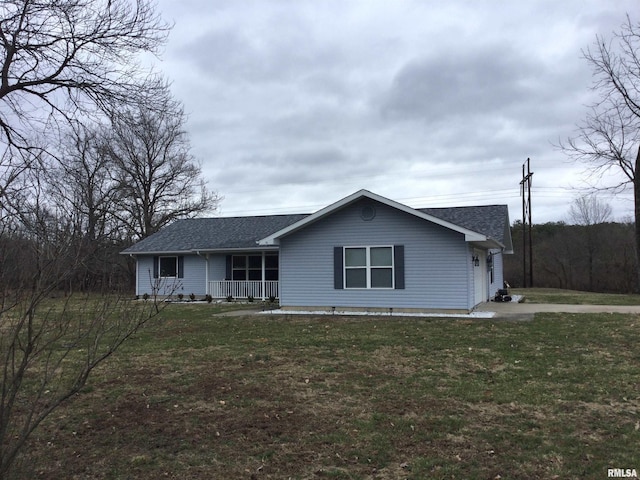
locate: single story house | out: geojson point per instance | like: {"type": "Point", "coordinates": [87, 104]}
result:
{"type": "Point", "coordinates": [364, 251]}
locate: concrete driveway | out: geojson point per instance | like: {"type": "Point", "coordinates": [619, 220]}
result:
{"type": "Point", "coordinates": [525, 311]}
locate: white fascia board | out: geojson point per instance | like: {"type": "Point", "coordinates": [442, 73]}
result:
{"type": "Point", "coordinates": [488, 243]}
{"type": "Point", "coordinates": [273, 239]}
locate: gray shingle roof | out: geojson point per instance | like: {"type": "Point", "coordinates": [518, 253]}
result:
{"type": "Point", "coordinates": [213, 233]}
{"type": "Point", "coordinates": [490, 220]}
{"type": "Point", "coordinates": [206, 234]}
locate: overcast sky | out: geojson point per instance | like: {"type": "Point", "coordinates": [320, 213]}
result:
{"type": "Point", "coordinates": [295, 104]}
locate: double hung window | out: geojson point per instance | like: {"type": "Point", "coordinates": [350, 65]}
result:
{"type": "Point", "coordinates": [168, 267]}
{"type": "Point", "coordinates": [368, 267]}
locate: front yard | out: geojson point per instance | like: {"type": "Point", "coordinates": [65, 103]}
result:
{"type": "Point", "coordinates": [271, 397]}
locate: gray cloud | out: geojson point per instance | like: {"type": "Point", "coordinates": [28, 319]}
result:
{"type": "Point", "coordinates": [293, 104]}
{"type": "Point", "coordinates": [484, 82]}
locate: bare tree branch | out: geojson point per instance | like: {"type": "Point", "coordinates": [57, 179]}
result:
{"type": "Point", "coordinates": [158, 179]}
{"type": "Point", "coordinates": [61, 59]}
{"type": "Point", "coordinates": [608, 139]}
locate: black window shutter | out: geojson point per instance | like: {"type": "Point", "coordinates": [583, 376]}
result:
{"type": "Point", "coordinates": [398, 260]}
{"type": "Point", "coordinates": [338, 282]}
{"type": "Point", "coordinates": [227, 275]}
{"type": "Point", "coordinates": [156, 266]}
{"type": "Point", "coordinates": [181, 267]}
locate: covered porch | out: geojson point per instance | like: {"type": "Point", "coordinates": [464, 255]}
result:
{"type": "Point", "coordinates": [248, 275]}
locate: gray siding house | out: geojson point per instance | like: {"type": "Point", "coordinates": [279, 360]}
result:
{"type": "Point", "coordinates": [362, 252]}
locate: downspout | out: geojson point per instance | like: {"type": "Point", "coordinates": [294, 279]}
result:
{"type": "Point", "coordinates": [134, 257]}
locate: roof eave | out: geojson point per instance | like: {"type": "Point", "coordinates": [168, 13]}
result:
{"type": "Point", "coordinates": [158, 252]}
{"type": "Point", "coordinates": [257, 248]}
{"type": "Point", "coordinates": [488, 243]}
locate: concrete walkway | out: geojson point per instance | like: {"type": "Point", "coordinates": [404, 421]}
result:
{"type": "Point", "coordinates": [507, 311]}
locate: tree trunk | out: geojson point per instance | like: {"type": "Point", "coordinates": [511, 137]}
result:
{"type": "Point", "coordinates": [636, 202]}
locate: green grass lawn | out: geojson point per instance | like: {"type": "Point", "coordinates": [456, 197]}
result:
{"type": "Point", "coordinates": [572, 297]}
{"type": "Point", "coordinates": [198, 396]}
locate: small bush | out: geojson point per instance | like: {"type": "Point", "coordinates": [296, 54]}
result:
{"type": "Point", "coordinates": [145, 296]}
{"type": "Point", "coordinates": [208, 298]}
{"type": "Point", "coordinates": [192, 296]}
{"type": "Point", "coordinates": [250, 298]}
{"type": "Point", "coordinates": [229, 298]}
{"type": "Point", "coordinates": [180, 296]}
{"type": "Point", "coordinates": [272, 299]}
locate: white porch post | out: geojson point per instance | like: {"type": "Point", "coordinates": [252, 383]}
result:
{"type": "Point", "coordinates": [264, 283]}
{"type": "Point", "coordinates": [206, 274]}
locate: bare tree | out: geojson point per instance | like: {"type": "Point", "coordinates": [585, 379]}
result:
{"type": "Point", "coordinates": [49, 347]}
{"type": "Point", "coordinates": [589, 210]}
{"type": "Point", "coordinates": [60, 60]}
{"type": "Point", "coordinates": [590, 214]}
{"type": "Point", "coordinates": [609, 137]}
{"type": "Point", "coordinates": [81, 183]}
{"type": "Point", "coordinates": [158, 179]}
{"type": "Point", "coordinates": [48, 353]}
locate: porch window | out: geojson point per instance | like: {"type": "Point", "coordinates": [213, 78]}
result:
{"type": "Point", "coordinates": [368, 267]}
{"type": "Point", "coordinates": [249, 267]}
{"type": "Point", "coordinates": [271, 267]}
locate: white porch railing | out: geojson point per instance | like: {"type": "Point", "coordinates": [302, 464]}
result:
{"type": "Point", "coordinates": [244, 289]}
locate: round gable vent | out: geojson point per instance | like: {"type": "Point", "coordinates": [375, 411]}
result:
{"type": "Point", "coordinates": [368, 213]}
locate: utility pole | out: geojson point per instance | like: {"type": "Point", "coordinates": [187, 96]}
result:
{"type": "Point", "coordinates": [525, 184]}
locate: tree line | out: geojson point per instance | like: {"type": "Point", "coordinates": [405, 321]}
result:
{"type": "Point", "coordinates": [598, 257]}
{"type": "Point", "coordinates": [105, 186]}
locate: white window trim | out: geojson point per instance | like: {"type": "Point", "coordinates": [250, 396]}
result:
{"type": "Point", "coordinates": [368, 267]}
{"type": "Point", "coordinates": [175, 257]}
